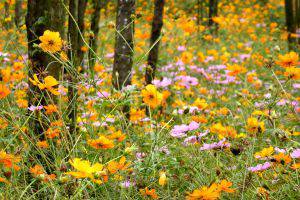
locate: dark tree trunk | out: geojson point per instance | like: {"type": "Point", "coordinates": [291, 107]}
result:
{"type": "Point", "coordinates": [123, 44]}
{"type": "Point", "coordinates": [157, 24]}
{"type": "Point", "coordinates": [18, 12]}
{"type": "Point", "coordinates": [73, 57]}
{"type": "Point", "coordinates": [95, 18]}
{"type": "Point", "coordinates": [81, 14]}
{"type": "Point", "coordinates": [292, 12]}
{"type": "Point", "coordinates": [213, 12]}
{"type": "Point", "coordinates": [41, 15]}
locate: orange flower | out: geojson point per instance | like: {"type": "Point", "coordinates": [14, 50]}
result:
{"type": "Point", "coordinates": [151, 96]}
{"type": "Point", "coordinates": [282, 158]}
{"type": "Point", "coordinates": [136, 114]}
{"type": "Point", "coordinates": [52, 133]}
{"type": "Point", "coordinates": [151, 193]}
{"type": "Point", "coordinates": [4, 91]}
{"type": "Point", "coordinates": [113, 166]}
{"type": "Point", "coordinates": [117, 135]}
{"type": "Point", "coordinates": [42, 144]}
{"type": "Point", "coordinates": [236, 69]}
{"type": "Point", "coordinates": [9, 160]}
{"type": "Point", "coordinates": [3, 180]}
{"type": "Point", "coordinates": [288, 60]}
{"type": "Point", "coordinates": [295, 166]}
{"type": "Point", "coordinates": [51, 109]}
{"type": "Point", "coordinates": [101, 143]}
{"type": "Point", "coordinates": [205, 193]}
{"type": "Point", "coordinates": [292, 73]}
{"type": "Point", "coordinates": [225, 186]}
{"type": "Point", "coordinates": [36, 170]}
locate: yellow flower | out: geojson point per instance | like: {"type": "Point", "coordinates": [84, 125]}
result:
{"type": "Point", "coordinates": [49, 83]}
{"type": "Point", "coordinates": [292, 73]}
{"type": "Point", "coordinates": [151, 96]}
{"type": "Point", "coordinates": [113, 166]}
{"type": "Point", "coordinates": [136, 114]}
{"type": "Point", "coordinates": [288, 60]}
{"type": "Point", "coordinates": [254, 126]}
{"type": "Point", "coordinates": [162, 178]}
{"type": "Point", "coordinates": [236, 69]}
{"type": "Point", "coordinates": [101, 143]}
{"type": "Point", "coordinates": [200, 103]}
{"type": "Point", "coordinates": [266, 152]}
{"type": "Point", "coordinates": [86, 170]}
{"type": "Point", "coordinates": [51, 42]}
{"type": "Point", "coordinates": [205, 193]}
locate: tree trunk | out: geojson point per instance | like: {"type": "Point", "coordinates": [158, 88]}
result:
{"type": "Point", "coordinates": [123, 44]}
{"type": "Point", "coordinates": [95, 18]}
{"type": "Point", "coordinates": [73, 57]}
{"type": "Point", "coordinates": [213, 12]}
{"type": "Point", "coordinates": [81, 14]}
{"type": "Point", "coordinates": [292, 12]}
{"type": "Point", "coordinates": [18, 12]}
{"type": "Point", "coordinates": [41, 15]}
{"type": "Point", "coordinates": [157, 24]}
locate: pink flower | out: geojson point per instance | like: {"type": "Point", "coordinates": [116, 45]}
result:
{"type": "Point", "coordinates": [260, 167]}
{"type": "Point", "coordinates": [295, 153]}
{"type": "Point", "coordinates": [193, 126]}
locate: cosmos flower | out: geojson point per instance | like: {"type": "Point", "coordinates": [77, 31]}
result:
{"type": "Point", "coordinates": [295, 153]}
{"type": "Point", "coordinates": [4, 91]}
{"type": "Point", "coordinates": [260, 167]}
{"type": "Point", "coordinates": [206, 193]}
{"type": "Point", "coordinates": [288, 60]}
{"type": "Point", "coordinates": [50, 42]}
{"type": "Point", "coordinates": [101, 143]}
{"type": "Point", "coordinates": [151, 96]}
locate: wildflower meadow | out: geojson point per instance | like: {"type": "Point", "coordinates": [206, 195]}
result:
{"type": "Point", "coordinates": [160, 99]}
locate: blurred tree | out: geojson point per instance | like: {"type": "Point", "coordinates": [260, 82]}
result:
{"type": "Point", "coordinates": [123, 43]}
{"type": "Point", "coordinates": [213, 12]}
{"type": "Point", "coordinates": [157, 24]}
{"type": "Point", "coordinates": [81, 14]}
{"type": "Point", "coordinates": [95, 18]}
{"type": "Point", "coordinates": [41, 15]}
{"type": "Point", "coordinates": [292, 13]}
{"type": "Point", "coordinates": [18, 12]}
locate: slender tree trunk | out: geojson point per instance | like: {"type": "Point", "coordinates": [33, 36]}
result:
{"type": "Point", "coordinates": [73, 57]}
{"type": "Point", "coordinates": [123, 44]}
{"type": "Point", "coordinates": [18, 12]}
{"type": "Point", "coordinates": [81, 13]}
{"type": "Point", "coordinates": [41, 15]}
{"type": "Point", "coordinates": [95, 18]}
{"type": "Point", "coordinates": [292, 12]}
{"type": "Point", "coordinates": [213, 12]}
{"type": "Point", "coordinates": [157, 24]}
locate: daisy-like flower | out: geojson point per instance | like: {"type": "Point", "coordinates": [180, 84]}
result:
{"type": "Point", "coordinates": [208, 193]}
{"type": "Point", "coordinates": [101, 143]}
{"type": "Point", "coordinates": [50, 42]}
{"type": "Point", "coordinates": [49, 83]}
{"type": "Point", "coordinates": [84, 169]}
{"type": "Point", "coordinates": [4, 91]}
{"type": "Point", "coordinates": [151, 96]}
{"type": "Point", "coordinates": [288, 60]}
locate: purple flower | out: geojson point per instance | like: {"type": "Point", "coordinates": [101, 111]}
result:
{"type": "Point", "coordinates": [165, 82]}
{"type": "Point", "coordinates": [103, 94]}
{"type": "Point", "coordinates": [295, 153]}
{"type": "Point", "coordinates": [191, 140]}
{"type": "Point", "coordinates": [181, 48]}
{"type": "Point", "coordinates": [34, 108]}
{"type": "Point", "coordinates": [260, 167]}
{"type": "Point", "coordinates": [215, 145]}
{"type": "Point", "coordinates": [193, 126]}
